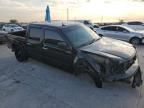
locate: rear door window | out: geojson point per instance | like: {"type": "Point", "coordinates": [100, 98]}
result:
{"type": "Point", "coordinates": [36, 34]}
{"type": "Point", "coordinates": [111, 28]}
{"type": "Point", "coordinates": [120, 29]}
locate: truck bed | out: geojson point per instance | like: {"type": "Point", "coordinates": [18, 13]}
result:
{"type": "Point", "coordinates": [19, 33]}
{"type": "Point", "coordinates": [16, 38]}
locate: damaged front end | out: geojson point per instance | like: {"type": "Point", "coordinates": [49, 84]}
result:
{"type": "Point", "coordinates": [113, 68]}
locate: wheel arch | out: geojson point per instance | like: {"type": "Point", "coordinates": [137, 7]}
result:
{"type": "Point", "coordinates": [85, 63]}
{"type": "Point", "coordinates": [135, 37]}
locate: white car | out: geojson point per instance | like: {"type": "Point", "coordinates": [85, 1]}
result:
{"type": "Point", "coordinates": [134, 25]}
{"type": "Point", "coordinates": [12, 28]}
{"type": "Point", "coordinates": [122, 33]}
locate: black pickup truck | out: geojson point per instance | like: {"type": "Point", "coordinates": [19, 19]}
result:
{"type": "Point", "coordinates": [2, 37]}
{"type": "Point", "coordinates": [78, 48]}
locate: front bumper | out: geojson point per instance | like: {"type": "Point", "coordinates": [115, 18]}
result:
{"type": "Point", "coordinates": [128, 74]}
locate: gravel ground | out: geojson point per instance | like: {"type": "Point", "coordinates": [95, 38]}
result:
{"type": "Point", "coordinates": [37, 85]}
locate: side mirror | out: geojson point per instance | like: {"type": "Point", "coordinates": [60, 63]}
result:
{"type": "Point", "coordinates": [63, 45]}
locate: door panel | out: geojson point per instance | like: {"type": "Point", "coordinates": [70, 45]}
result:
{"type": "Point", "coordinates": [111, 34]}
{"type": "Point", "coordinates": [109, 31]}
{"type": "Point", "coordinates": [123, 34]}
{"type": "Point", "coordinates": [56, 55]}
{"type": "Point", "coordinates": [34, 42]}
{"type": "Point", "coordinates": [52, 53]}
{"type": "Point", "coordinates": [34, 49]}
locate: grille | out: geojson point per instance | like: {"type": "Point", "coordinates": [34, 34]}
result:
{"type": "Point", "coordinates": [121, 68]}
{"type": "Point", "coordinates": [129, 63]}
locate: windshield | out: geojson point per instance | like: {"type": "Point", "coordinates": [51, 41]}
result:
{"type": "Point", "coordinates": [80, 35]}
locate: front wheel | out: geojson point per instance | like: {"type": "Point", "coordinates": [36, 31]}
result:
{"type": "Point", "coordinates": [21, 55]}
{"type": "Point", "coordinates": [96, 77]}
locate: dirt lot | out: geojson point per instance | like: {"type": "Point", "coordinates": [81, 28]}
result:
{"type": "Point", "coordinates": [37, 85]}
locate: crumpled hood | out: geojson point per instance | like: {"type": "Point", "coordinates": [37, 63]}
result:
{"type": "Point", "coordinates": [111, 47]}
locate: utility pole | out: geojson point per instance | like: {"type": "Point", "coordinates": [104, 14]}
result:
{"type": "Point", "coordinates": [102, 19]}
{"type": "Point", "coordinates": [67, 14]}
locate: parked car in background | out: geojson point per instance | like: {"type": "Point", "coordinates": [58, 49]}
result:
{"type": "Point", "coordinates": [95, 27]}
{"type": "Point", "coordinates": [1, 25]}
{"type": "Point", "coordinates": [122, 33]}
{"type": "Point", "coordinates": [2, 37]}
{"type": "Point", "coordinates": [12, 28]}
{"type": "Point", "coordinates": [78, 48]}
{"type": "Point", "coordinates": [135, 25]}
{"type": "Point", "coordinates": [85, 22]}
{"type": "Point", "coordinates": [24, 25]}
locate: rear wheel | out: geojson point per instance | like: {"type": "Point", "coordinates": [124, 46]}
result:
{"type": "Point", "coordinates": [135, 41]}
{"type": "Point", "coordinates": [21, 54]}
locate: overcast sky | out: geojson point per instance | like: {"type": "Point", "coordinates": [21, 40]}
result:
{"type": "Point", "coordinates": [96, 10]}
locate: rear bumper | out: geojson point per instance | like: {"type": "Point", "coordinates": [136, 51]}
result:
{"type": "Point", "coordinates": [128, 74]}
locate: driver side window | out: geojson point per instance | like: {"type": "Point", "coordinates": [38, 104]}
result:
{"type": "Point", "coordinates": [52, 37]}
{"type": "Point", "coordinates": [110, 28]}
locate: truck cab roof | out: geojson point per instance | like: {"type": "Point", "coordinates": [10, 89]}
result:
{"type": "Point", "coordinates": [54, 24]}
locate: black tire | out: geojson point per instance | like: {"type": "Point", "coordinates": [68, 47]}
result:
{"type": "Point", "coordinates": [21, 54]}
{"type": "Point", "coordinates": [96, 78]}
{"type": "Point", "coordinates": [135, 41]}
{"type": "Point", "coordinates": [137, 79]}
{"type": "Point", "coordinates": [85, 67]}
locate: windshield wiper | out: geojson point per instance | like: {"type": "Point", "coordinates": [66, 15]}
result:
{"type": "Point", "coordinates": [92, 41]}
{"type": "Point", "coordinates": [88, 43]}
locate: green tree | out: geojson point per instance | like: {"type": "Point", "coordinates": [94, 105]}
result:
{"type": "Point", "coordinates": [13, 21]}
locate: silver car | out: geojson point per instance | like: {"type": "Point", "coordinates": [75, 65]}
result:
{"type": "Point", "coordinates": [122, 33]}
